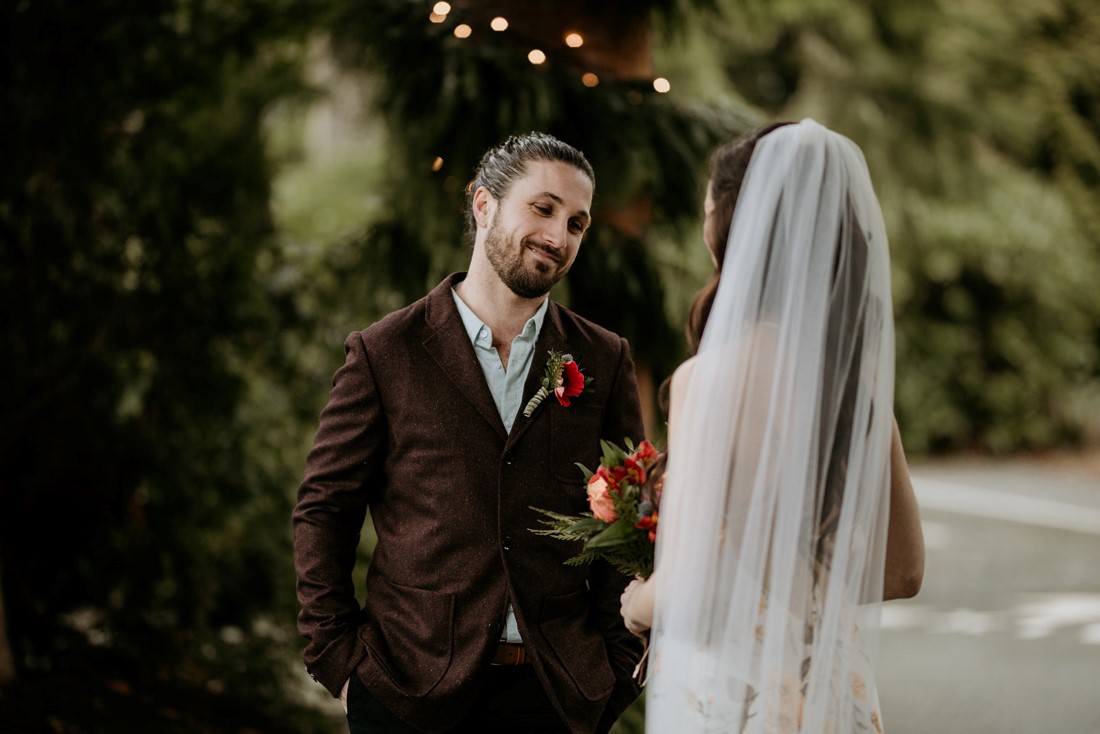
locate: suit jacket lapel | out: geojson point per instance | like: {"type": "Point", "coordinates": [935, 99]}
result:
{"type": "Point", "coordinates": [552, 337]}
{"type": "Point", "coordinates": [449, 345]}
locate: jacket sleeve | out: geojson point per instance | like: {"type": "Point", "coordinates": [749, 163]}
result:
{"type": "Point", "coordinates": [343, 465]}
{"type": "Point", "coordinates": [623, 419]}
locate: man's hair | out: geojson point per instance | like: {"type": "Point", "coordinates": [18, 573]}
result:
{"type": "Point", "coordinates": [502, 165]}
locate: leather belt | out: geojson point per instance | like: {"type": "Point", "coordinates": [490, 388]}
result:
{"type": "Point", "coordinates": [510, 653]}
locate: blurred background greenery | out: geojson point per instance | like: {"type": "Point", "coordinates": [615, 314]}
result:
{"type": "Point", "coordinates": [200, 198]}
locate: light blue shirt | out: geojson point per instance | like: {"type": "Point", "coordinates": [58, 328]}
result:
{"type": "Point", "coordinates": [506, 385]}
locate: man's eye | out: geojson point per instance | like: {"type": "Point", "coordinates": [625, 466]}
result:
{"type": "Point", "coordinates": [545, 210]}
{"type": "Point", "coordinates": [576, 227]}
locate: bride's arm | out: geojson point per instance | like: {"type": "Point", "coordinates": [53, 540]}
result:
{"type": "Point", "coordinates": [637, 599]}
{"type": "Point", "coordinates": [904, 540]}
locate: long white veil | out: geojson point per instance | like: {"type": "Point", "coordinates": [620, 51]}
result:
{"type": "Point", "coordinates": [774, 513]}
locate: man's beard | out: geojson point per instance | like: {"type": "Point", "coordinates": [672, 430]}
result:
{"type": "Point", "coordinates": [523, 280]}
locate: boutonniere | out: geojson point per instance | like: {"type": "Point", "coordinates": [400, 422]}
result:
{"type": "Point", "coordinates": [562, 377]}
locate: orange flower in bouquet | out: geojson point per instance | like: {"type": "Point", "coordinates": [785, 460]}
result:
{"type": "Point", "coordinates": [624, 494]}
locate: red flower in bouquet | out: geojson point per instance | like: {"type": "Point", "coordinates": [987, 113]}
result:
{"type": "Point", "coordinates": [647, 522]}
{"type": "Point", "coordinates": [646, 453]}
{"type": "Point", "coordinates": [623, 495]}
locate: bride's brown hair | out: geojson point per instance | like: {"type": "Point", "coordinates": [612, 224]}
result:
{"type": "Point", "coordinates": [728, 165]}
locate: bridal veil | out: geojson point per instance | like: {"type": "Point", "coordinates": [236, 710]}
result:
{"type": "Point", "coordinates": [774, 514]}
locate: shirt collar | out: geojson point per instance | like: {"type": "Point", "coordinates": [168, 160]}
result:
{"type": "Point", "coordinates": [474, 325]}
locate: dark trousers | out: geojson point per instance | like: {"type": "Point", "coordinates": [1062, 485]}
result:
{"type": "Point", "coordinates": [512, 700]}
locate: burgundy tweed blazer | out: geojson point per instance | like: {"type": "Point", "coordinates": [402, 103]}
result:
{"type": "Point", "coordinates": [411, 431]}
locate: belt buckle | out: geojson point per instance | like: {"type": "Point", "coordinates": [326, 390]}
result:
{"type": "Point", "coordinates": [510, 653]}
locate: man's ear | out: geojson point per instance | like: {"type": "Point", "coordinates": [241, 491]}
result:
{"type": "Point", "coordinates": [484, 204]}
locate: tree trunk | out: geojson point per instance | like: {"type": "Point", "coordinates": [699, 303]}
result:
{"type": "Point", "coordinates": [7, 660]}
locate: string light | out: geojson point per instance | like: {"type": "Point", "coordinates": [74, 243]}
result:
{"type": "Point", "coordinates": [535, 56]}
{"type": "Point", "coordinates": [437, 163]}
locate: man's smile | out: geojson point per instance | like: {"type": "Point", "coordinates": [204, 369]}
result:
{"type": "Point", "coordinates": [543, 252]}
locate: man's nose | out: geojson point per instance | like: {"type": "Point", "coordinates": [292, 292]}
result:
{"type": "Point", "coordinates": [556, 233]}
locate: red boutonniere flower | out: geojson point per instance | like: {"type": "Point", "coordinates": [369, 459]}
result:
{"type": "Point", "coordinates": [563, 377]}
{"type": "Point", "coordinates": [571, 383]}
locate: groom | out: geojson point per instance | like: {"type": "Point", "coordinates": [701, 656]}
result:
{"type": "Point", "coordinates": [471, 622]}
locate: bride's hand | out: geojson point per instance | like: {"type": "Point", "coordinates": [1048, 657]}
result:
{"type": "Point", "coordinates": [637, 606]}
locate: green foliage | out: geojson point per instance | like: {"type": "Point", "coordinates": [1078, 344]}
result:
{"type": "Point", "coordinates": [996, 317]}
{"type": "Point", "coordinates": [145, 422]}
{"type": "Point", "coordinates": [632, 720]}
{"type": "Point", "coordinates": [980, 127]}
{"type": "Point", "coordinates": [969, 116]}
{"type": "Point", "coordinates": [447, 99]}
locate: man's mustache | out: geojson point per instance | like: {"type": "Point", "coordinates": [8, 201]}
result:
{"type": "Point", "coordinates": [554, 253]}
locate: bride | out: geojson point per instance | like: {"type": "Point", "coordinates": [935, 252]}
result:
{"type": "Point", "coordinates": [787, 512]}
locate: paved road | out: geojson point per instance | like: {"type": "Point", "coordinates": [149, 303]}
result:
{"type": "Point", "coordinates": [1004, 638]}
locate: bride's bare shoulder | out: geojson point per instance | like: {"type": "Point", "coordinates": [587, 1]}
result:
{"type": "Point", "coordinates": [678, 388]}
{"type": "Point", "coordinates": [755, 346]}
{"type": "Point", "coordinates": [682, 376]}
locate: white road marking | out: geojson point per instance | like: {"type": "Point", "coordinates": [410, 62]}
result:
{"type": "Point", "coordinates": [966, 622]}
{"type": "Point", "coordinates": [1036, 617]}
{"type": "Point", "coordinates": [1051, 612]}
{"type": "Point", "coordinates": [969, 500]}
{"type": "Point", "coordinates": [899, 615]}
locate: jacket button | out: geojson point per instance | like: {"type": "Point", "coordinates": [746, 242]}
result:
{"type": "Point", "coordinates": [506, 543]}
{"type": "Point", "coordinates": [508, 458]}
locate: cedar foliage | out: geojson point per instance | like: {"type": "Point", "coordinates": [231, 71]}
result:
{"type": "Point", "coordinates": [144, 522]}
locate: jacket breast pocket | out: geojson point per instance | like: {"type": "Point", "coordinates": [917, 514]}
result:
{"type": "Point", "coordinates": [575, 439]}
{"type": "Point", "coordinates": [408, 633]}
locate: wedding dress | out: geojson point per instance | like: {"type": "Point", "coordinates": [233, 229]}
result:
{"type": "Point", "coordinates": [773, 518]}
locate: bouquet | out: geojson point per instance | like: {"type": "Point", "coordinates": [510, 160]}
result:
{"type": "Point", "coordinates": [624, 494]}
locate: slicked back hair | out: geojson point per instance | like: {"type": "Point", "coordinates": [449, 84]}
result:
{"type": "Point", "coordinates": [503, 164]}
